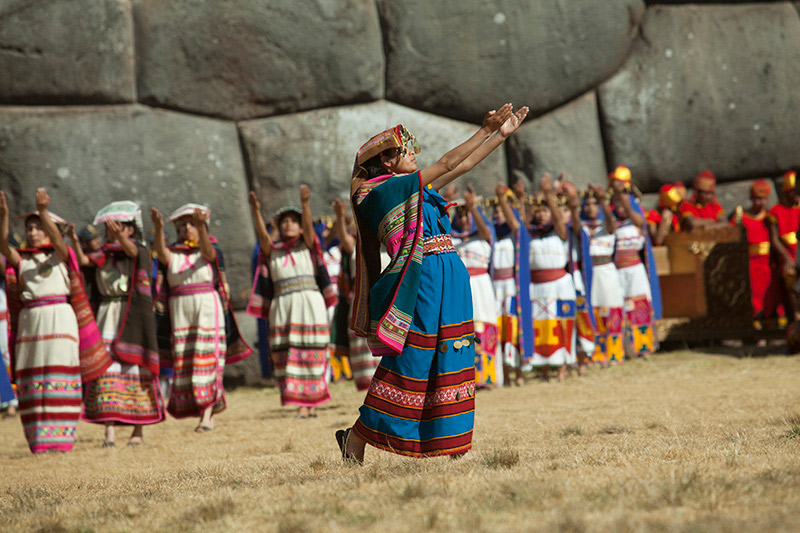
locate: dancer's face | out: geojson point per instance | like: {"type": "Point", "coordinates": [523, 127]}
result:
{"type": "Point", "coordinates": [759, 204]}
{"type": "Point", "coordinates": [289, 226]}
{"type": "Point", "coordinates": [498, 216]}
{"type": "Point", "coordinates": [542, 216]}
{"type": "Point", "coordinates": [400, 162]}
{"type": "Point", "coordinates": [34, 233]}
{"type": "Point", "coordinates": [186, 228]}
{"type": "Point", "coordinates": [704, 197]}
{"type": "Point", "coordinates": [591, 209]}
{"type": "Point", "coordinates": [463, 221]}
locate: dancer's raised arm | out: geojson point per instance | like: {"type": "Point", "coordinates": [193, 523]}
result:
{"type": "Point", "coordinates": [159, 243]}
{"type": "Point", "coordinates": [348, 243]}
{"type": "Point", "coordinates": [264, 240]}
{"type": "Point", "coordinates": [49, 227]}
{"type": "Point", "coordinates": [9, 253]}
{"type": "Point", "coordinates": [306, 221]}
{"type": "Point", "coordinates": [508, 213]}
{"type": "Point", "coordinates": [559, 225]}
{"type": "Point", "coordinates": [482, 151]}
{"type": "Point", "coordinates": [203, 238]}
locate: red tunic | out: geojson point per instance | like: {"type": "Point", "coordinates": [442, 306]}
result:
{"type": "Point", "coordinates": [710, 211]}
{"type": "Point", "coordinates": [787, 220]}
{"type": "Point", "coordinates": [758, 254]}
{"type": "Point", "coordinates": [654, 218]}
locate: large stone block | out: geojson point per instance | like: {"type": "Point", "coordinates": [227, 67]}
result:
{"type": "Point", "coordinates": [566, 140]}
{"type": "Point", "coordinates": [89, 156]}
{"type": "Point", "coordinates": [460, 58]}
{"type": "Point", "coordinates": [67, 51]}
{"type": "Point", "coordinates": [707, 87]}
{"type": "Point", "coordinates": [318, 148]}
{"type": "Point", "coordinates": [251, 58]}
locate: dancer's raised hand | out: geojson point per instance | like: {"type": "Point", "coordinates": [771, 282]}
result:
{"type": "Point", "coordinates": [158, 222]}
{"type": "Point", "coordinates": [494, 119]}
{"type": "Point", "coordinates": [255, 204]}
{"type": "Point", "coordinates": [305, 194]}
{"type": "Point", "coordinates": [514, 121]}
{"type": "Point", "coordinates": [42, 200]}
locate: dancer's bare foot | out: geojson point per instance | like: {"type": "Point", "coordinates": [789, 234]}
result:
{"type": "Point", "coordinates": [111, 436]}
{"type": "Point", "coordinates": [11, 412]}
{"type": "Point", "coordinates": [137, 437]}
{"type": "Point", "coordinates": [351, 446]}
{"type": "Point", "coordinates": [562, 373]}
{"type": "Point", "coordinates": [205, 421]}
{"type": "Point", "coordinates": [303, 412]}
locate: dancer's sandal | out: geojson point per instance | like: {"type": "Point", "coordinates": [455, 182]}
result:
{"type": "Point", "coordinates": [341, 439]}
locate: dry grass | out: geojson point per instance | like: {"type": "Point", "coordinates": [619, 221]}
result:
{"type": "Point", "coordinates": [685, 442]}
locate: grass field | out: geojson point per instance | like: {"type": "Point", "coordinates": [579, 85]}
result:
{"type": "Point", "coordinates": [684, 442]}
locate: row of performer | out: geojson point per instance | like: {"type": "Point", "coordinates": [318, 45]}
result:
{"type": "Point", "coordinates": [432, 299]}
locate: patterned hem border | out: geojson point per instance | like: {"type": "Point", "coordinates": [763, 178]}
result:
{"type": "Point", "coordinates": [406, 453]}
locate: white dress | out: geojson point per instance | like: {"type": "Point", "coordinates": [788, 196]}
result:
{"type": "Point", "coordinates": [476, 254]}
{"type": "Point", "coordinates": [553, 303]}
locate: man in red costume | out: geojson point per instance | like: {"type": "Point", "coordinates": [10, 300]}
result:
{"type": "Point", "coordinates": [666, 218]}
{"type": "Point", "coordinates": [783, 220]}
{"type": "Point", "coordinates": [703, 210]}
{"type": "Point", "coordinates": [758, 244]}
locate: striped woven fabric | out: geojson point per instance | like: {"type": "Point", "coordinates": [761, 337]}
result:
{"type": "Point", "coordinates": [124, 211]}
{"type": "Point", "coordinates": [188, 209]}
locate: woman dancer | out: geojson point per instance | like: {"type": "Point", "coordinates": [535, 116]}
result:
{"type": "Point", "coordinates": [54, 338]}
{"type": "Point", "coordinates": [511, 280]}
{"type": "Point", "coordinates": [633, 258]}
{"type": "Point", "coordinates": [195, 314]}
{"type": "Point", "coordinates": [293, 291]}
{"type": "Point", "coordinates": [473, 239]}
{"type": "Point", "coordinates": [552, 287]}
{"type": "Point", "coordinates": [8, 398]}
{"type": "Point", "coordinates": [417, 314]}
{"type": "Point", "coordinates": [604, 285]}
{"type": "Point", "coordinates": [128, 392]}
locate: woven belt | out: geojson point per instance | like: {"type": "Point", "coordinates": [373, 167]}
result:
{"type": "Point", "coordinates": [477, 271]}
{"type": "Point", "coordinates": [438, 244]}
{"type": "Point", "coordinates": [503, 273]}
{"type": "Point", "coordinates": [46, 300]}
{"type": "Point", "coordinates": [759, 248]}
{"type": "Point", "coordinates": [601, 260]}
{"type": "Point", "coordinates": [3, 315]}
{"type": "Point", "coordinates": [121, 298]}
{"type": "Point", "coordinates": [295, 284]}
{"type": "Point", "coordinates": [789, 238]}
{"type": "Point", "coordinates": [191, 288]}
{"type": "Point", "coordinates": [547, 274]}
{"type": "Point", "coordinates": [627, 258]}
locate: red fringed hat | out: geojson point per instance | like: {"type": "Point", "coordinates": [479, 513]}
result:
{"type": "Point", "coordinates": [397, 137]}
{"type": "Point", "coordinates": [788, 181]}
{"type": "Point", "coordinates": [621, 173]}
{"type": "Point", "coordinates": [668, 197]}
{"type": "Point", "coordinates": [705, 181]}
{"type": "Point", "coordinates": [760, 189]}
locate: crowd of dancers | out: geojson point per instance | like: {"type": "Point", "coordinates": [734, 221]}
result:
{"type": "Point", "coordinates": [420, 297]}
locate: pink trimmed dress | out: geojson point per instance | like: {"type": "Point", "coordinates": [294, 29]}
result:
{"type": "Point", "coordinates": [299, 335]}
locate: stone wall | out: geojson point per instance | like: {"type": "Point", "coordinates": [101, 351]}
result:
{"type": "Point", "coordinates": [166, 102]}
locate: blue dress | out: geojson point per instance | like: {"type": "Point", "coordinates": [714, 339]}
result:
{"type": "Point", "coordinates": [421, 403]}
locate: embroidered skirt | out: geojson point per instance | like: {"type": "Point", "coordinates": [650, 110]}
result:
{"type": "Point", "coordinates": [608, 305]}
{"type": "Point", "coordinates": [126, 394]}
{"type": "Point", "coordinates": [553, 304]}
{"type": "Point", "coordinates": [421, 403]}
{"type": "Point", "coordinates": [48, 376]}
{"type": "Point", "coordinates": [298, 341]}
{"type": "Point", "coordinates": [639, 323]}
{"type": "Point", "coordinates": [199, 348]}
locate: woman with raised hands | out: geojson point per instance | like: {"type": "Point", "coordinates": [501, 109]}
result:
{"type": "Point", "coordinates": [417, 313]}
{"type": "Point", "coordinates": [54, 343]}
{"type": "Point", "coordinates": [473, 238]}
{"type": "Point", "coordinates": [128, 391]}
{"type": "Point", "coordinates": [198, 334]}
{"type": "Point", "coordinates": [293, 291]}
